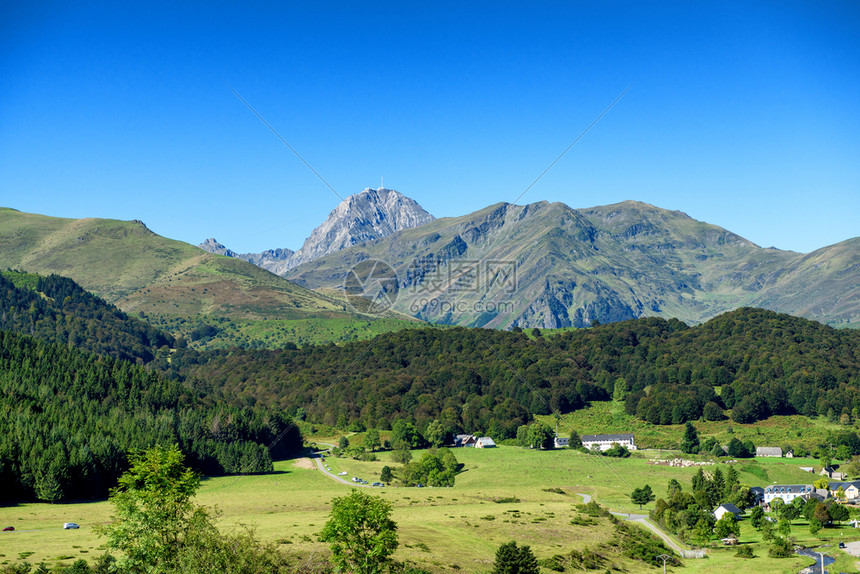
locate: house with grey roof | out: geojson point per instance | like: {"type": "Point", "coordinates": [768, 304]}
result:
{"type": "Point", "coordinates": [605, 441]}
{"type": "Point", "coordinates": [727, 508]}
{"type": "Point", "coordinates": [788, 492]}
{"type": "Point", "coordinates": [769, 451]}
{"type": "Point", "coordinates": [485, 442]}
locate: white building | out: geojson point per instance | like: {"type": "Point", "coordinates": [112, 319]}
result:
{"type": "Point", "coordinates": [605, 441]}
{"type": "Point", "coordinates": [787, 492]}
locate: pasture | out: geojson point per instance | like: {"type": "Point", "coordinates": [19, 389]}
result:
{"type": "Point", "coordinates": [503, 494]}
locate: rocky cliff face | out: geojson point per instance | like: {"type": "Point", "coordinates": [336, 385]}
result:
{"type": "Point", "coordinates": [366, 216]}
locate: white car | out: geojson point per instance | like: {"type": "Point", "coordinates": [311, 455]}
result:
{"type": "Point", "coordinates": [70, 526]}
{"type": "Point", "coordinates": [342, 473]}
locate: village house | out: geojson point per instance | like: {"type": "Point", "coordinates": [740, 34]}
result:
{"type": "Point", "coordinates": [605, 441]}
{"type": "Point", "coordinates": [484, 442]}
{"type": "Point", "coordinates": [724, 509]}
{"type": "Point", "coordinates": [560, 442]}
{"type": "Point", "coordinates": [464, 440]}
{"type": "Point", "coordinates": [832, 473]}
{"type": "Point", "coordinates": [769, 451]}
{"type": "Point", "coordinates": [787, 492]}
{"type": "Point", "coordinates": [851, 489]}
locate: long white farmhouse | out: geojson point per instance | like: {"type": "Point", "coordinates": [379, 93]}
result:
{"type": "Point", "coordinates": [605, 441]}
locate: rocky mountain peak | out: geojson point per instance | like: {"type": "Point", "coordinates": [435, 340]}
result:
{"type": "Point", "coordinates": [366, 216]}
{"type": "Point", "coordinates": [213, 246]}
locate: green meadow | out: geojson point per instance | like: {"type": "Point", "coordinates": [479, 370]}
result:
{"type": "Point", "coordinates": [502, 494]}
{"type": "Point", "coordinates": [609, 417]}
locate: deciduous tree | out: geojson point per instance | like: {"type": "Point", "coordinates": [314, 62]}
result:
{"type": "Point", "coordinates": [361, 533]}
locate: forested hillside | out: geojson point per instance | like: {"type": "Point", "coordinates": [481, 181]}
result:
{"type": "Point", "coordinates": [757, 363]}
{"type": "Point", "coordinates": [57, 310]}
{"type": "Point", "coordinates": [68, 419]}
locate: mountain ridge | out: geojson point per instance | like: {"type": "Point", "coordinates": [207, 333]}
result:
{"type": "Point", "coordinates": [604, 263]}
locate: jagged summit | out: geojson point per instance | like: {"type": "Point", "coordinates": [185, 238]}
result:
{"type": "Point", "coordinates": [371, 214]}
{"type": "Point", "coordinates": [213, 246]}
{"type": "Point", "coordinates": [269, 259]}
{"type": "Point", "coordinates": [366, 216]}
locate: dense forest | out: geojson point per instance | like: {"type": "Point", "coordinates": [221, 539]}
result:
{"type": "Point", "coordinates": [55, 309]}
{"type": "Point", "coordinates": [68, 419]}
{"type": "Point", "coordinates": [85, 383]}
{"type": "Point", "coordinates": [756, 363]}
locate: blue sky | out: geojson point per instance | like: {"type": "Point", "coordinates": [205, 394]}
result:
{"type": "Point", "coordinates": [742, 114]}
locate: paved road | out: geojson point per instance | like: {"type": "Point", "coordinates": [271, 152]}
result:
{"type": "Point", "coordinates": [317, 458]}
{"type": "Point", "coordinates": [643, 520]}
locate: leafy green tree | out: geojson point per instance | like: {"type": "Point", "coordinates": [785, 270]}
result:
{"type": "Point", "coordinates": [386, 476]}
{"type": "Point", "coordinates": [736, 449]}
{"type": "Point", "coordinates": [435, 433]}
{"type": "Point", "coordinates": [784, 526]}
{"type": "Point", "coordinates": [757, 517]}
{"type": "Point", "coordinates": [822, 514]}
{"type": "Point", "coordinates": [673, 487]}
{"type": "Point", "coordinates": [371, 440]}
{"type": "Point", "coordinates": [541, 436]}
{"type": "Point", "coordinates": [718, 451]}
{"type": "Point", "coordinates": [814, 526]}
{"type": "Point", "coordinates": [343, 443]}
{"type": "Point", "coordinates": [361, 533]}
{"type": "Point", "coordinates": [726, 526]}
{"type": "Point", "coordinates": [154, 511]}
{"type": "Point", "coordinates": [843, 452]}
{"type": "Point", "coordinates": [617, 451]}
{"type": "Point", "coordinates": [838, 512]}
{"type": "Point", "coordinates": [620, 390]}
{"type": "Point", "coordinates": [511, 559]}
{"type": "Point", "coordinates": [642, 496]}
{"type": "Point", "coordinates": [767, 531]}
{"type": "Point", "coordinates": [690, 442]}
{"type": "Point", "coordinates": [790, 512]}
{"type": "Point", "coordinates": [401, 456]}
{"type": "Point", "coordinates": [575, 440]}
{"type": "Point", "coordinates": [523, 435]}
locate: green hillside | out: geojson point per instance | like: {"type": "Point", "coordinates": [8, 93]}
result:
{"type": "Point", "coordinates": [145, 274]}
{"type": "Point", "coordinates": [748, 365]}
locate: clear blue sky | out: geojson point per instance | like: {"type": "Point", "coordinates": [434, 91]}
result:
{"type": "Point", "coordinates": [743, 114]}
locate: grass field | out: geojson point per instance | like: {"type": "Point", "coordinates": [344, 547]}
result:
{"type": "Point", "coordinates": [609, 417]}
{"type": "Point", "coordinates": [275, 333]}
{"type": "Point", "coordinates": [442, 529]}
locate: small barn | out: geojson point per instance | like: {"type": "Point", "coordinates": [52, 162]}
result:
{"type": "Point", "coordinates": [728, 508]}
{"type": "Point", "coordinates": [484, 442]}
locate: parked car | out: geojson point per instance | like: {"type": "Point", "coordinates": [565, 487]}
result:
{"type": "Point", "coordinates": [342, 473]}
{"type": "Point", "coordinates": [70, 526]}
{"type": "Point", "coordinates": [9, 529]}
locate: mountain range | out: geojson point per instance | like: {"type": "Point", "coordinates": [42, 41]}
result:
{"type": "Point", "coordinates": [539, 265]}
{"type": "Point", "coordinates": [548, 265]}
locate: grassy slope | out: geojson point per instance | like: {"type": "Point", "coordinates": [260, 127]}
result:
{"type": "Point", "coordinates": [609, 417]}
{"type": "Point", "coordinates": [275, 333]}
{"type": "Point", "coordinates": [454, 524]}
{"type": "Point", "coordinates": [130, 266]}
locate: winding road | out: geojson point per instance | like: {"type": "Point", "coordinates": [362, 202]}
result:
{"type": "Point", "coordinates": [317, 457]}
{"type": "Point", "coordinates": [643, 520]}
